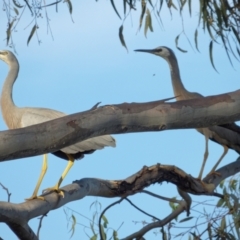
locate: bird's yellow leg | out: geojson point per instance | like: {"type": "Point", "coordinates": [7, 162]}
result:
{"type": "Point", "coordinates": [219, 160]}
{"type": "Point", "coordinates": [204, 158]}
{"type": "Point", "coordinates": [65, 172]}
{"type": "Point", "coordinates": [43, 172]}
{"type": "Point", "coordinates": [208, 186]}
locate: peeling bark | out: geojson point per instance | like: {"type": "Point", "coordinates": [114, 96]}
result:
{"type": "Point", "coordinates": [112, 119]}
{"type": "Point", "coordinates": [17, 215]}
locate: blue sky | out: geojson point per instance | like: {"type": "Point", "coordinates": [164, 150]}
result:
{"type": "Point", "coordinates": [85, 64]}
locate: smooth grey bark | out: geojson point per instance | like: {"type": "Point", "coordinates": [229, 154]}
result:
{"type": "Point", "coordinates": [122, 118]}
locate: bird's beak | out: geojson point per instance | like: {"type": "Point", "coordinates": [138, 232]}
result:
{"type": "Point", "coordinates": [145, 50]}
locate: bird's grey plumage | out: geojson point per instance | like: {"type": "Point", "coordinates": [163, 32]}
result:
{"type": "Point", "coordinates": [22, 117]}
{"type": "Point", "coordinates": [16, 117]}
{"type": "Point", "coordinates": [226, 137]}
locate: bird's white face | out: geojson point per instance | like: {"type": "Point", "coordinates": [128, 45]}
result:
{"type": "Point", "coordinates": [162, 52]}
{"type": "Point", "coordinates": [7, 56]}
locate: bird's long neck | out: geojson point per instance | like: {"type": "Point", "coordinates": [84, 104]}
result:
{"type": "Point", "coordinates": [7, 105]}
{"type": "Point", "coordinates": [179, 90]}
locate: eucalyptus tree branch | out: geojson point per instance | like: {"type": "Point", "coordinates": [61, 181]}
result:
{"type": "Point", "coordinates": [6, 189]}
{"type": "Point", "coordinates": [18, 215]}
{"type": "Point", "coordinates": [122, 118]}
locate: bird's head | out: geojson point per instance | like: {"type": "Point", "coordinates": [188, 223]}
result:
{"type": "Point", "coordinates": [7, 56]}
{"type": "Point", "coordinates": [163, 52]}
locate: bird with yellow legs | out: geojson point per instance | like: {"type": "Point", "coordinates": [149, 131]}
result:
{"type": "Point", "coordinates": [16, 117]}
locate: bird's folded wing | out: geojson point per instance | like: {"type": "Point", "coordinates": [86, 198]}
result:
{"type": "Point", "coordinates": [33, 116]}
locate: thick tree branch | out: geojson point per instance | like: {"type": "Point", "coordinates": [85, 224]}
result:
{"type": "Point", "coordinates": [123, 118]}
{"type": "Point", "coordinates": [17, 215]}
{"type": "Point", "coordinates": [225, 172]}
{"type": "Point", "coordinates": [22, 230]}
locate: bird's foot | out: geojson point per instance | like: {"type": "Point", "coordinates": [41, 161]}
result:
{"type": "Point", "coordinates": [209, 187]}
{"type": "Point", "coordinates": [54, 189]}
{"type": "Point", "coordinates": [202, 183]}
{"type": "Point", "coordinates": [214, 173]}
{"type": "Point", "coordinates": [34, 197]}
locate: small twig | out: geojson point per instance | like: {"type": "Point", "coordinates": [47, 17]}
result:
{"type": "Point", "coordinates": [157, 224]}
{"type": "Point", "coordinates": [40, 224]}
{"type": "Point", "coordinates": [19, 18]}
{"type": "Point", "coordinates": [161, 197]}
{"type": "Point", "coordinates": [113, 229]}
{"type": "Point", "coordinates": [48, 5]}
{"type": "Point", "coordinates": [139, 209]}
{"type": "Point", "coordinates": [48, 22]}
{"type": "Point", "coordinates": [6, 189]}
{"type": "Point", "coordinates": [95, 106]}
{"type": "Point", "coordinates": [28, 6]}
{"type": "Point", "coordinates": [99, 221]}
{"type": "Point", "coordinates": [218, 195]}
{"type": "Point", "coordinates": [74, 211]}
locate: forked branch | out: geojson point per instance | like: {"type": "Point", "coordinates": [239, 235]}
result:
{"type": "Point", "coordinates": [18, 215]}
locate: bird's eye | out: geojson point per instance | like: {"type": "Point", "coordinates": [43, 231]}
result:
{"type": "Point", "coordinates": [160, 49]}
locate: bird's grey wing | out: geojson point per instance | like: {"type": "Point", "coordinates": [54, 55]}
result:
{"type": "Point", "coordinates": [223, 136]}
{"type": "Point", "coordinates": [31, 116]}
{"type": "Point", "coordinates": [94, 143]}
{"type": "Point", "coordinates": [232, 126]}
{"type": "Point", "coordinates": [40, 115]}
